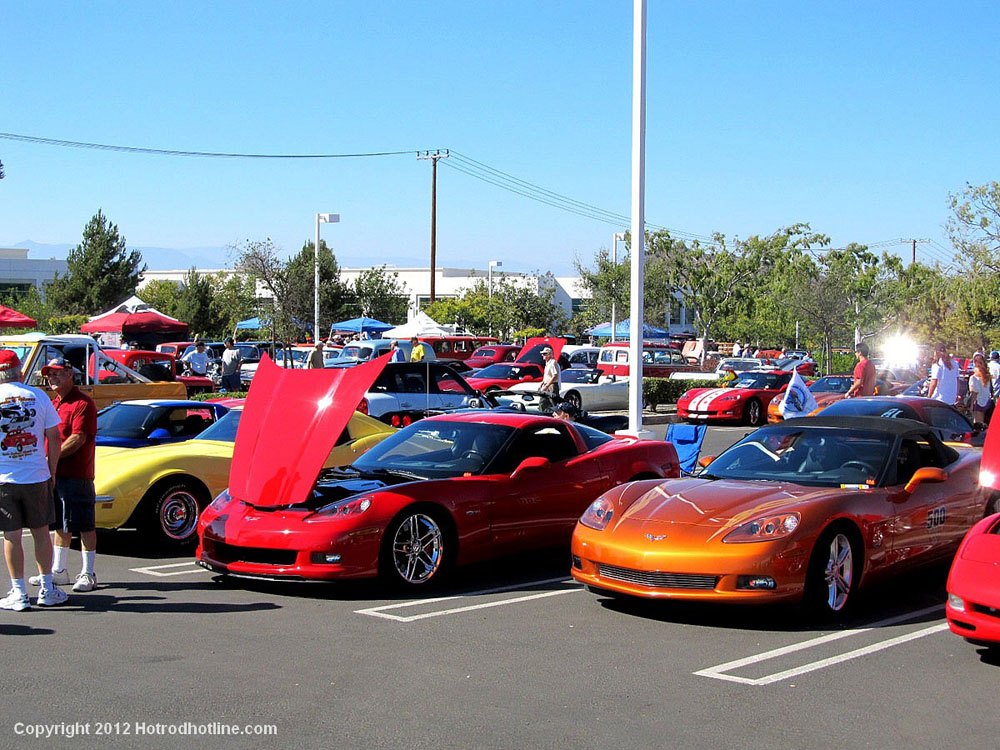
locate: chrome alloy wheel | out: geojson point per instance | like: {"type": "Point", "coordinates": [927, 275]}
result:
{"type": "Point", "coordinates": [839, 572]}
{"type": "Point", "coordinates": [178, 514]}
{"type": "Point", "coordinates": [417, 548]}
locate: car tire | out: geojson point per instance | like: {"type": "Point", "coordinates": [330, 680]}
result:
{"type": "Point", "coordinates": [834, 570]}
{"type": "Point", "coordinates": [417, 549]}
{"type": "Point", "coordinates": [753, 412]}
{"type": "Point", "coordinates": [170, 513]}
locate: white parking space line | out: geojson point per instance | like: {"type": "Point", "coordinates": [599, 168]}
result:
{"type": "Point", "coordinates": [380, 611]}
{"type": "Point", "coordinates": [720, 672]}
{"type": "Point", "coordinates": [154, 570]}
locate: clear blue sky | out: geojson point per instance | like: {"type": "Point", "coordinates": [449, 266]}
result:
{"type": "Point", "coordinates": [857, 117]}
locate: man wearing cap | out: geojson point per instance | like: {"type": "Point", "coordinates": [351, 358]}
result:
{"type": "Point", "coordinates": [566, 411]}
{"type": "Point", "coordinates": [197, 359]}
{"type": "Point", "coordinates": [75, 499]}
{"type": "Point", "coordinates": [551, 378]}
{"type": "Point", "coordinates": [232, 360]}
{"type": "Point", "coordinates": [29, 453]}
{"type": "Point", "coordinates": [864, 374]}
{"type": "Point", "coordinates": [315, 360]}
{"type": "Point", "coordinates": [417, 353]}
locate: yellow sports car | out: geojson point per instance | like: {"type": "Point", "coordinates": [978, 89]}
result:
{"type": "Point", "coordinates": [162, 489]}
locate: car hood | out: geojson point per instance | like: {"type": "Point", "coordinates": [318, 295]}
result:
{"type": "Point", "coordinates": [722, 503]}
{"type": "Point", "coordinates": [290, 423]}
{"type": "Point", "coordinates": [532, 349]}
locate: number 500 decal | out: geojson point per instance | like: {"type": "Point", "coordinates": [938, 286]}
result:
{"type": "Point", "coordinates": [936, 517]}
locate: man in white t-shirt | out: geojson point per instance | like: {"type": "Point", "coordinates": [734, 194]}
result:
{"type": "Point", "coordinates": [197, 359]}
{"type": "Point", "coordinates": [29, 453]}
{"type": "Point", "coordinates": [943, 384]}
{"type": "Point", "coordinates": [551, 377]}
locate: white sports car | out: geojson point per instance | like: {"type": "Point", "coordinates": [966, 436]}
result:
{"type": "Point", "coordinates": [588, 390]}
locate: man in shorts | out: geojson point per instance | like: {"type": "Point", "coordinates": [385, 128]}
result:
{"type": "Point", "coordinates": [75, 498]}
{"type": "Point", "coordinates": [29, 453]}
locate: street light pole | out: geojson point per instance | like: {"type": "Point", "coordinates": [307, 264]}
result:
{"type": "Point", "coordinates": [489, 272]}
{"type": "Point", "coordinates": [615, 238]}
{"type": "Point", "coordinates": [326, 219]}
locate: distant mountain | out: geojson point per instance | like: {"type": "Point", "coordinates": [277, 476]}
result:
{"type": "Point", "coordinates": [156, 258]}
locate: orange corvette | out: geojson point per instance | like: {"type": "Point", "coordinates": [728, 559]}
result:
{"type": "Point", "coordinates": [806, 509]}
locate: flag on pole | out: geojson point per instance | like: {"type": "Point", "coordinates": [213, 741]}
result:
{"type": "Point", "coordinates": [798, 400]}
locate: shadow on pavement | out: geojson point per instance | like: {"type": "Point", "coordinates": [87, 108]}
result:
{"type": "Point", "coordinates": [8, 629]}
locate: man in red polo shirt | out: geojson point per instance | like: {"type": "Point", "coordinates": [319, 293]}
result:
{"type": "Point", "coordinates": [75, 498]}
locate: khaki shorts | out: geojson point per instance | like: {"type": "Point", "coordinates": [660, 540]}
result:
{"type": "Point", "coordinates": [26, 506]}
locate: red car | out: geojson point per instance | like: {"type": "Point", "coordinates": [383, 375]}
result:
{"type": "Point", "coordinates": [158, 367]}
{"type": "Point", "coordinates": [446, 490]}
{"type": "Point", "coordinates": [745, 399]}
{"type": "Point", "coordinates": [973, 608]}
{"type": "Point", "coordinates": [527, 368]}
{"type": "Point", "coordinates": [18, 439]}
{"type": "Point", "coordinates": [485, 356]}
{"type": "Point", "coordinates": [948, 422]}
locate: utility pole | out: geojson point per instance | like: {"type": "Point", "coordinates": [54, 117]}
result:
{"type": "Point", "coordinates": [433, 156]}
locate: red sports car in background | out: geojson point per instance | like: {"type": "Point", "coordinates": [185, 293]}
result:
{"type": "Point", "coordinates": [973, 608]}
{"type": "Point", "coordinates": [745, 399]}
{"type": "Point", "coordinates": [949, 424]}
{"type": "Point", "coordinates": [485, 356]}
{"type": "Point", "coordinates": [500, 377]}
{"type": "Point", "coordinates": [446, 490]}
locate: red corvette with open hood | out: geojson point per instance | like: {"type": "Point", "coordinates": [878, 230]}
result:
{"type": "Point", "coordinates": [446, 490]}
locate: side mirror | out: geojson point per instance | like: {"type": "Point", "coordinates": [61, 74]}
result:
{"type": "Point", "coordinates": [704, 461]}
{"type": "Point", "coordinates": [159, 434]}
{"type": "Point", "coordinates": [930, 474]}
{"type": "Point", "coordinates": [531, 463]}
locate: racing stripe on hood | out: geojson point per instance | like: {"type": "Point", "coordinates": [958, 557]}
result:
{"type": "Point", "coordinates": [701, 402]}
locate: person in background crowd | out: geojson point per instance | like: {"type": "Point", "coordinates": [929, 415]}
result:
{"type": "Point", "coordinates": [26, 479]}
{"type": "Point", "coordinates": [551, 377]}
{"type": "Point", "coordinates": [75, 499]}
{"type": "Point", "coordinates": [808, 358]}
{"type": "Point", "coordinates": [980, 388]}
{"type": "Point", "coordinates": [943, 384]}
{"type": "Point", "coordinates": [232, 359]}
{"type": "Point", "coordinates": [398, 355]}
{"type": "Point", "coordinates": [737, 349]}
{"type": "Point", "coordinates": [315, 361]}
{"type": "Point", "coordinates": [864, 374]}
{"type": "Point", "coordinates": [417, 353]}
{"type": "Point", "coordinates": [566, 411]}
{"type": "Point", "coordinates": [197, 359]}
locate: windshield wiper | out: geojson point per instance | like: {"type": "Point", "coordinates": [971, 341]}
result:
{"type": "Point", "coordinates": [394, 472]}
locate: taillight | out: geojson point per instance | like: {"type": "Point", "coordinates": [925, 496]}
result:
{"type": "Point", "coordinates": [363, 406]}
{"type": "Point", "coordinates": [394, 420]}
{"type": "Point", "coordinates": [407, 421]}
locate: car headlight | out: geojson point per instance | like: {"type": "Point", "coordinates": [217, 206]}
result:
{"type": "Point", "coordinates": [352, 506]}
{"type": "Point", "coordinates": [598, 514]}
{"type": "Point", "coordinates": [956, 602]}
{"type": "Point", "coordinates": [729, 397]}
{"type": "Point", "coordinates": [765, 529]}
{"type": "Point", "coordinates": [221, 501]}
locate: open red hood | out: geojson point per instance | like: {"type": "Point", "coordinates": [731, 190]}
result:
{"type": "Point", "coordinates": [290, 423]}
{"type": "Point", "coordinates": [989, 467]}
{"type": "Point", "coordinates": [532, 349]}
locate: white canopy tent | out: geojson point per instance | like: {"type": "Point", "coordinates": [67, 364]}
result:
{"type": "Point", "coordinates": [420, 324]}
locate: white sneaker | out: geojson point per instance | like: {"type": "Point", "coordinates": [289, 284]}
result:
{"type": "Point", "coordinates": [51, 597]}
{"type": "Point", "coordinates": [85, 582]}
{"type": "Point", "coordinates": [15, 601]}
{"type": "Point", "coordinates": [59, 578]}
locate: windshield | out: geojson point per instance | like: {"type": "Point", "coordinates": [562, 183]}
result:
{"type": "Point", "coordinates": [821, 457]}
{"type": "Point", "coordinates": [485, 353]}
{"type": "Point", "coordinates": [225, 429]}
{"type": "Point", "coordinates": [128, 420]}
{"type": "Point", "coordinates": [576, 376]}
{"type": "Point", "coordinates": [761, 380]}
{"type": "Point", "coordinates": [437, 449]}
{"type": "Point", "coordinates": [857, 407]}
{"type": "Point", "coordinates": [833, 384]}
{"type": "Point", "coordinates": [508, 371]}
{"type": "Point", "coordinates": [739, 364]}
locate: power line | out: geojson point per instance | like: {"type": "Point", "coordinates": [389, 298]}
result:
{"type": "Point", "coordinates": [170, 152]}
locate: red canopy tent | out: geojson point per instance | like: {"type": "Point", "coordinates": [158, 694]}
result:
{"type": "Point", "coordinates": [134, 323]}
{"type": "Point", "coordinates": [13, 319]}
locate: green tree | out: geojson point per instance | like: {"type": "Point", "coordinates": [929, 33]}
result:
{"type": "Point", "coordinates": [30, 303]}
{"type": "Point", "coordinates": [259, 260]}
{"type": "Point", "coordinates": [379, 294]}
{"type": "Point", "coordinates": [334, 295]}
{"type": "Point", "coordinates": [234, 298]}
{"type": "Point", "coordinates": [101, 271]}
{"type": "Point", "coordinates": [194, 303]}
{"type": "Point", "coordinates": [163, 295]}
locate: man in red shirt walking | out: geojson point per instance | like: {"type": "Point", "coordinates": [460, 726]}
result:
{"type": "Point", "coordinates": [75, 497]}
{"type": "Point", "coordinates": [864, 374]}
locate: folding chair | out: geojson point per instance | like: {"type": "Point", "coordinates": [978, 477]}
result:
{"type": "Point", "coordinates": [687, 440]}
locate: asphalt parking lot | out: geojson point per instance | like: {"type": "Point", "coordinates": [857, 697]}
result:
{"type": "Point", "coordinates": [511, 654]}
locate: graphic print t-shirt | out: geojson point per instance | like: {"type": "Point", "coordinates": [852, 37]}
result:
{"type": "Point", "coordinates": [25, 414]}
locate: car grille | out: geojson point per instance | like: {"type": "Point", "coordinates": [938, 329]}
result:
{"type": "Point", "coordinates": [229, 553]}
{"type": "Point", "coordinates": [656, 579]}
{"type": "Point", "coordinates": [984, 610]}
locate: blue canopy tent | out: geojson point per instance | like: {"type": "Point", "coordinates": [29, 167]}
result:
{"type": "Point", "coordinates": [253, 323]}
{"type": "Point", "coordinates": [622, 330]}
{"type": "Point", "coordinates": [361, 325]}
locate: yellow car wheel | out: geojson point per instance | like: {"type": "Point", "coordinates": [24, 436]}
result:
{"type": "Point", "coordinates": [170, 512]}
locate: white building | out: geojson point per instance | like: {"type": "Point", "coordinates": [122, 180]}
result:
{"type": "Point", "coordinates": [19, 273]}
